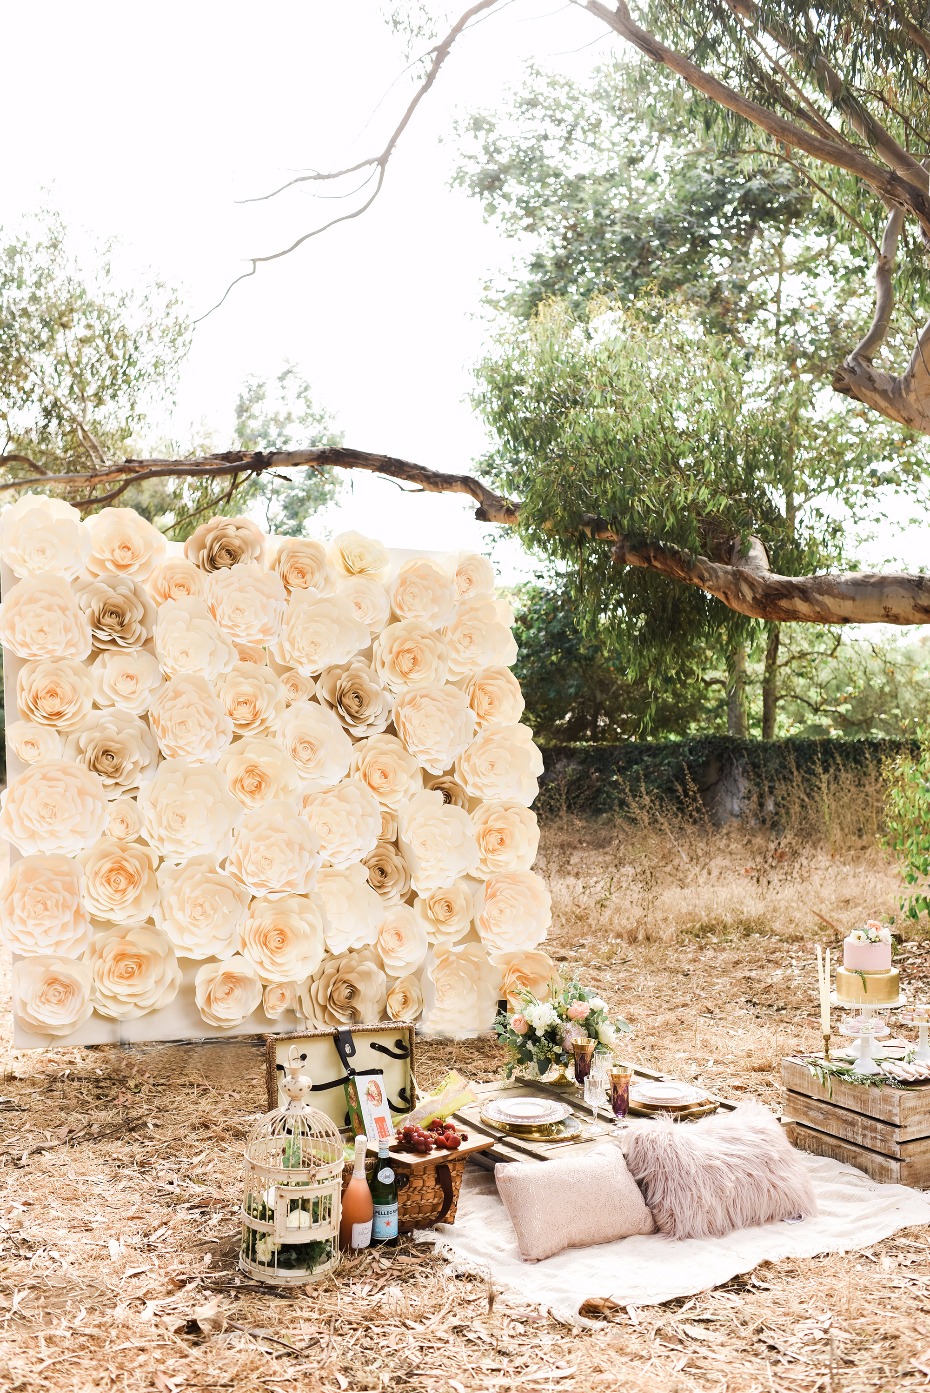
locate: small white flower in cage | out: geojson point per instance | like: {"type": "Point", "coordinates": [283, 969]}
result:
{"type": "Point", "coordinates": [265, 1249]}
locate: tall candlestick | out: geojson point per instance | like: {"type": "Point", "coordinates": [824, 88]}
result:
{"type": "Point", "coordinates": [823, 982]}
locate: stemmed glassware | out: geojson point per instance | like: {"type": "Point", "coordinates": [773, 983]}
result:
{"type": "Point", "coordinates": [595, 1086]}
{"type": "Point", "coordinates": [620, 1078]}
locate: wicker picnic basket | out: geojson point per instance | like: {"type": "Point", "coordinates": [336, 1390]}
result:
{"type": "Point", "coordinates": [426, 1194]}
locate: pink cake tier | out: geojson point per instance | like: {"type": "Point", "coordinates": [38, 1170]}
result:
{"type": "Point", "coordinates": [866, 957]}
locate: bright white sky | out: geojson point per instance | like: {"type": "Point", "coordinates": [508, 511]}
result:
{"type": "Point", "coordinates": [147, 123]}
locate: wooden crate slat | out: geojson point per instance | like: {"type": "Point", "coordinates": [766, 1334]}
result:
{"type": "Point", "coordinates": [844, 1123]}
{"type": "Point", "coordinates": [914, 1171]}
{"type": "Point", "coordinates": [903, 1107]}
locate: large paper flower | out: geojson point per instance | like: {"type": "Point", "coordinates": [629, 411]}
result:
{"type": "Point", "coordinates": [224, 542]}
{"type": "Point", "coordinates": [41, 909]}
{"type": "Point", "coordinates": [405, 999]}
{"type": "Point", "coordinates": [134, 971]}
{"type": "Point", "coordinates": [525, 972]}
{"type": "Point", "coordinates": [410, 654]}
{"type": "Point", "coordinates": [495, 697]}
{"type": "Point", "coordinates": [474, 577]}
{"type": "Point", "coordinates": [123, 544]}
{"type": "Point", "coordinates": [479, 636]}
{"type": "Point", "coordinates": [389, 825]}
{"type": "Point", "coordinates": [513, 912]}
{"type": "Point", "coordinates": [346, 819]}
{"type": "Point", "coordinates": [175, 579]}
{"type": "Point", "coordinates": [501, 763]}
{"type": "Point", "coordinates": [188, 639]}
{"type": "Point", "coordinates": [355, 555]}
{"type": "Point", "coordinates": [388, 873]}
{"type": "Point", "coordinates": [119, 881]}
{"type": "Point", "coordinates": [201, 909]}
{"type": "Point", "coordinates": [127, 678]}
{"type": "Point", "coordinates": [435, 724]}
{"type": "Point", "coordinates": [55, 692]}
{"type": "Point", "coordinates": [303, 565]}
{"type": "Point", "coordinates": [352, 912]}
{"type": "Point", "coordinates": [118, 610]}
{"type": "Point", "coordinates": [257, 769]}
{"type": "Point", "coordinates": [274, 852]}
{"type": "Point", "coordinates": [189, 720]}
{"type": "Point", "coordinates": [125, 820]}
{"type": "Point", "coordinates": [283, 937]}
{"type": "Point", "coordinates": [188, 811]}
{"type": "Point", "coordinates": [228, 992]}
{"type": "Point", "coordinates": [507, 836]}
{"type": "Point", "coordinates": [316, 742]}
{"type": "Point", "coordinates": [33, 743]}
{"type": "Point", "coordinates": [438, 841]}
{"type": "Point", "coordinates": [402, 941]}
{"type": "Point", "coordinates": [369, 601]}
{"type": "Point", "coordinates": [451, 790]}
{"type": "Point", "coordinates": [296, 686]}
{"type": "Point", "coordinates": [348, 990]}
{"type": "Point", "coordinates": [354, 694]}
{"type": "Point", "coordinates": [252, 697]}
{"type": "Point", "coordinates": [43, 536]}
{"type": "Point", "coordinates": [247, 602]}
{"type": "Point", "coordinates": [423, 590]}
{"type": "Point", "coordinates": [466, 986]}
{"type": "Point", "coordinates": [51, 996]}
{"type": "Point", "coordinates": [118, 747]}
{"type": "Point", "coordinates": [385, 767]}
{"type": "Point", "coordinates": [319, 631]}
{"type": "Point", "coordinates": [53, 807]}
{"type": "Point", "coordinates": [278, 998]}
{"type": "Point", "coordinates": [447, 913]}
{"type": "Point", "coordinates": [40, 618]}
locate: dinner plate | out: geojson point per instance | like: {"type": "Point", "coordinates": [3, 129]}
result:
{"type": "Point", "coordinates": [531, 1113]}
{"type": "Point", "coordinates": [666, 1094]}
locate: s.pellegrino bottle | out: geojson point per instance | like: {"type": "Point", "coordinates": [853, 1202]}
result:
{"type": "Point", "coordinates": [357, 1208]}
{"type": "Point", "coordinates": [384, 1196]}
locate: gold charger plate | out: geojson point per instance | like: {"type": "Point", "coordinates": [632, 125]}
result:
{"type": "Point", "coordinates": [568, 1130]}
{"type": "Point", "coordinates": [684, 1114]}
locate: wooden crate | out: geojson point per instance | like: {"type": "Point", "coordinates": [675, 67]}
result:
{"type": "Point", "coordinates": [883, 1131]}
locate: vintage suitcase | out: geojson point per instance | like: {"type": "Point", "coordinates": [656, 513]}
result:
{"type": "Point", "coordinates": [330, 1056]}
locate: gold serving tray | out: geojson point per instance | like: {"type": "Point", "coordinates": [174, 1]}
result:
{"type": "Point", "coordinates": [684, 1114]}
{"type": "Point", "coordinates": [567, 1130]}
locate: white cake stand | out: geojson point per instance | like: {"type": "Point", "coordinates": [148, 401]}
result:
{"type": "Point", "coordinates": [865, 1061]}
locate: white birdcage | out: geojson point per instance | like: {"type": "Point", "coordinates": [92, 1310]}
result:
{"type": "Point", "coordinates": [292, 1201]}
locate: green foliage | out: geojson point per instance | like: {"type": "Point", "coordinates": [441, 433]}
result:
{"type": "Point", "coordinates": [908, 822]}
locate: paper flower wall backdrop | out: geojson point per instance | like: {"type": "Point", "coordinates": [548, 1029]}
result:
{"type": "Point", "coordinates": [258, 783]}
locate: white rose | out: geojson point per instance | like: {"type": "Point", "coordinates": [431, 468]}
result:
{"type": "Point", "coordinates": [354, 555]}
{"type": "Point", "coordinates": [319, 632]}
{"type": "Point", "coordinates": [55, 692]}
{"type": "Point", "coordinates": [125, 820]}
{"type": "Point", "coordinates": [189, 720]}
{"type": "Point", "coordinates": [257, 769]}
{"type": "Point", "coordinates": [402, 941]}
{"type": "Point", "coordinates": [51, 996]}
{"type": "Point", "coordinates": [369, 601]}
{"type": "Point", "coordinates": [128, 678]}
{"type": "Point", "coordinates": [118, 610]}
{"type": "Point", "coordinates": [201, 909]}
{"type": "Point", "coordinates": [354, 694]}
{"type": "Point", "coordinates": [278, 998]}
{"type": "Point", "coordinates": [316, 742]}
{"type": "Point", "coordinates": [388, 873]}
{"type": "Point", "coordinates": [541, 1017]}
{"type": "Point", "coordinates": [247, 602]}
{"type": "Point", "coordinates": [274, 852]}
{"type": "Point", "coordinates": [175, 579]}
{"type": "Point", "coordinates": [405, 999]}
{"type": "Point", "coordinates": [352, 911]}
{"type": "Point", "coordinates": [283, 938]}
{"type": "Point", "coordinates": [41, 909]}
{"type": "Point", "coordinates": [252, 697]}
{"type": "Point", "coordinates": [437, 840]}
{"type": "Point", "coordinates": [435, 724]}
{"type": "Point", "coordinates": [41, 618]}
{"type": "Point", "coordinates": [189, 640]}
{"type": "Point", "coordinates": [525, 972]}
{"type": "Point", "coordinates": [33, 743]}
{"type": "Point", "coordinates": [495, 697]}
{"type": "Point", "coordinates": [383, 765]}
{"type": "Point", "coordinates": [474, 577]}
{"type": "Point", "coordinates": [479, 636]}
{"type": "Point", "coordinates": [228, 992]}
{"type": "Point", "coordinates": [43, 536]}
{"type": "Point", "coordinates": [134, 971]}
{"type": "Point", "coordinates": [302, 565]}
{"type": "Point", "coordinates": [607, 1035]}
{"type": "Point", "coordinates": [423, 590]}
{"type": "Point", "coordinates": [466, 985]}
{"type": "Point", "coordinates": [508, 838]}
{"type": "Point", "coordinates": [409, 655]}
{"type": "Point", "coordinates": [188, 811]}
{"type": "Point", "coordinates": [513, 912]}
{"type": "Point", "coordinates": [346, 819]}
{"type": "Point", "coordinates": [348, 990]}
{"type": "Point", "coordinates": [53, 807]}
{"type": "Point", "coordinates": [123, 543]}
{"type": "Point", "coordinates": [501, 763]}
{"type": "Point", "coordinates": [224, 542]}
{"type": "Point", "coordinates": [296, 686]}
{"type": "Point", "coordinates": [118, 747]}
{"type": "Point", "coordinates": [119, 883]}
{"type": "Point", "coordinates": [447, 913]}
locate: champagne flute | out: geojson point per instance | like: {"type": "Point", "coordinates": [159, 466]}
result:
{"type": "Point", "coordinates": [620, 1096]}
{"type": "Point", "coordinates": [594, 1089]}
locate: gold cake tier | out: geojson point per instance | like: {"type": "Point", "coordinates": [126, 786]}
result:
{"type": "Point", "coordinates": [868, 988]}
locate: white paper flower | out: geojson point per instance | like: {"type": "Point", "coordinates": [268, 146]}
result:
{"type": "Point", "coordinates": [466, 986]}
{"type": "Point", "coordinates": [355, 555]}
{"type": "Point", "coordinates": [479, 636]}
{"type": "Point", "coordinates": [525, 972]}
{"type": "Point", "coordinates": [274, 851]}
{"type": "Point", "coordinates": [228, 992]}
{"type": "Point", "coordinates": [250, 653]}
{"type": "Point", "coordinates": [495, 697]}
{"type": "Point", "coordinates": [353, 692]}
{"type": "Point", "coordinates": [402, 941]}
{"type": "Point", "coordinates": [40, 618]}
{"type": "Point", "coordinates": [53, 807]}
{"type": "Point", "coordinates": [513, 912]}
{"type": "Point", "coordinates": [278, 998]}
{"type": "Point", "coordinates": [116, 746]}
{"type": "Point", "coordinates": [405, 999]}
{"type": "Point", "coordinates": [283, 937]}
{"type": "Point", "coordinates": [125, 820]}
{"type": "Point", "coordinates": [348, 990]}
{"type": "Point", "coordinates": [296, 686]}
{"type": "Point", "coordinates": [316, 742]}
{"type": "Point", "coordinates": [119, 883]}
{"type": "Point", "coordinates": [369, 601]}
{"type": "Point", "coordinates": [134, 971]}
{"type": "Point", "coordinates": [118, 610]}
{"type": "Point", "coordinates": [507, 836]}
{"type": "Point", "coordinates": [201, 909]}
{"type": "Point", "coordinates": [410, 655]}
{"type": "Point", "coordinates": [346, 819]}
{"type": "Point", "coordinates": [33, 743]}
{"type": "Point", "coordinates": [450, 788]}
{"type": "Point", "coordinates": [319, 631]}
{"type": "Point", "coordinates": [474, 577]}
{"type": "Point", "coordinates": [385, 767]}
{"type": "Point", "coordinates": [424, 590]}
{"type": "Point", "coordinates": [247, 602]}
{"type": "Point", "coordinates": [123, 543]}
{"type": "Point", "coordinates": [252, 697]}
{"type": "Point", "coordinates": [447, 913]}
{"type": "Point", "coordinates": [188, 639]}
{"type": "Point", "coordinates": [435, 724]}
{"type": "Point", "coordinates": [388, 873]}
{"type": "Point", "coordinates": [437, 840]}
{"type": "Point", "coordinates": [501, 764]}
{"type": "Point", "coordinates": [257, 769]}
{"type": "Point", "coordinates": [127, 678]}
{"type": "Point", "coordinates": [352, 912]}
{"type": "Point", "coordinates": [389, 825]}
{"type": "Point", "coordinates": [188, 811]}
{"type": "Point", "coordinates": [224, 542]}
{"type": "Point", "coordinates": [302, 564]}
{"type": "Point", "coordinates": [51, 996]}
{"type": "Point", "coordinates": [175, 579]}
{"type": "Point", "coordinates": [55, 692]}
{"type": "Point", "coordinates": [189, 720]}
{"type": "Point", "coordinates": [41, 909]}
{"type": "Point", "coordinates": [43, 536]}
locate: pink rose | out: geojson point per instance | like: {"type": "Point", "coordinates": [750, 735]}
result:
{"type": "Point", "coordinates": [520, 1025]}
{"type": "Point", "coordinates": [578, 1010]}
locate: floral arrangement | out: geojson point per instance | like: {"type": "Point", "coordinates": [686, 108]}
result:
{"type": "Point", "coordinates": [284, 778]}
{"type": "Point", "coordinates": [871, 932]}
{"type": "Point", "coordinates": [539, 1033]}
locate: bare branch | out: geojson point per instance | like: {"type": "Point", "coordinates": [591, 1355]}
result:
{"type": "Point", "coordinates": [884, 289]}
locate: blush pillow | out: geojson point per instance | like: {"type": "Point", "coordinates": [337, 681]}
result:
{"type": "Point", "coordinates": [571, 1202]}
{"type": "Point", "coordinates": [729, 1171]}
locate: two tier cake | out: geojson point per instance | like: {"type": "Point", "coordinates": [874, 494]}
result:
{"type": "Point", "coordinates": [867, 977]}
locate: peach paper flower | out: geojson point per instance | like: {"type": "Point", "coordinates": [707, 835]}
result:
{"type": "Point", "coordinates": [316, 742]}
{"type": "Point", "coordinates": [352, 912]}
{"type": "Point", "coordinates": [410, 655]}
{"type": "Point", "coordinates": [495, 697]}
{"type": "Point", "coordinates": [435, 724]}
{"type": "Point", "coordinates": [33, 743]}
{"type": "Point", "coordinates": [123, 543]}
{"type": "Point", "coordinates": [188, 811]}
{"type": "Point", "coordinates": [353, 692]}
{"type": "Point", "coordinates": [501, 764]}
{"type": "Point", "coordinates": [41, 909]}
{"type": "Point", "coordinates": [369, 601]}
{"type": "Point", "coordinates": [43, 536]}
{"type": "Point", "coordinates": [228, 992]}
{"type": "Point", "coordinates": [283, 937]}
{"type": "Point", "coordinates": [40, 618]}
{"type": "Point", "coordinates": [118, 610]}
{"type": "Point", "coordinates": [437, 840]}
{"type": "Point", "coordinates": [405, 999]}
{"type": "Point", "coordinates": [302, 564]}
{"type": "Point", "coordinates": [388, 873]}
{"type": "Point", "coordinates": [175, 579]}
{"type": "Point", "coordinates": [346, 819]}
{"type": "Point", "coordinates": [53, 807]}
{"type": "Point", "coordinates": [189, 720]}
{"type": "Point", "coordinates": [257, 769]}
{"type": "Point", "coordinates": [134, 971]}
{"type": "Point", "coordinates": [474, 577]}
{"type": "Point", "coordinates": [201, 909]}
{"type": "Point", "coordinates": [355, 555]}
{"type": "Point", "coordinates": [479, 636]}
{"type": "Point", "coordinates": [507, 836]}
{"type": "Point", "coordinates": [319, 631]}
{"type": "Point", "coordinates": [125, 820]}
{"type": "Point", "coordinates": [51, 996]}
{"type": "Point", "coordinates": [247, 602]}
{"type": "Point", "coordinates": [252, 697]}
{"type": "Point", "coordinates": [55, 692]}
{"type": "Point", "coordinates": [128, 678]}
{"type": "Point", "coordinates": [451, 790]}
{"type": "Point", "coordinates": [385, 767]}
{"type": "Point", "coordinates": [423, 590]}
{"type": "Point", "coordinates": [466, 986]}
{"type": "Point", "coordinates": [530, 972]}
{"type": "Point", "coordinates": [274, 852]}
{"type": "Point", "coordinates": [189, 640]}
{"type": "Point", "coordinates": [389, 825]}
{"type": "Point", "coordinates": [447, 913]}
{"type": "Point", "coordinates": [296, 686]}
{"type": "Point", "coordinates": [348, 990]}
{"type": "Point", "coordinates": [118, 747]}
{"type": "Point", "coordinates": [279, 998]}
{"type": "Point", "coordinates": [513, 912]}
{"type": "Point", "coordinates": [224, 542]}
{"type": "Point", "coordinates": [402, 941]}
{"type": "Point", "coordinates": [119, 884]}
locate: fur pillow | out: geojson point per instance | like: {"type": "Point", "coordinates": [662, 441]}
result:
{"type": "Point", "coordinates": [572, 1202]}
{"type": "Point", "coordinates": [729, 1171]}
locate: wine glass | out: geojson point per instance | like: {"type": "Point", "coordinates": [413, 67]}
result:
{"type": "Point", "coordinates": [594, 1088]}
{"type": "Point", "coordinates": [620, 1095]}
{"type": "Point", "coordinates": [582, 1054]}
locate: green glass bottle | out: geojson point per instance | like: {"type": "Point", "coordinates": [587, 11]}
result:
{"type": "Point", "coordinates": [384, 1197]}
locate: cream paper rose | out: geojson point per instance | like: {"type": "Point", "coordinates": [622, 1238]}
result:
{"type": "Point", "coordinates": [123, 544]}
{"type": "Point", "coordinates": [53, 807]}
{"type": "Point", "coordinates": [175, 579]}
{"type": "Point", "coordinates": [201, 909]}
{"type": "Point", "coordinates": [479, 636]}
{"type": "Point", "coordinates": [252, 653]}
{"type": "Point", "coordinates": [354, 555]}
{"type": "Point", "coordinates": [224, 542]}
{"type": "Point", "coordinates": [43, 536]}
{"type": "Point", "coordinates": [189, 640]}
{"type": "Point", "coordinates": [513, 911]}
{"type": "Point", "coordinates": [278, 998]}
{"type": "Point", "coordinates": [402, 941]}
{"type": "Point", "coordinates": [357, 698]}
{"type": "Point", "coordinates": [189, 720]}
{"type": "Point", "coordinates": [352, 912]}
{"type": "Point", "coordinates": [33, 743]}
{"type": "Point", "coordinates": [409, 655]}
{"type": "Point", "coordinates": [128, 678]}
{"type": "Point", "coordinates": [257, 769]}
{"type": "Point", "coordinates": [389, 825]}
{"type": "Point", "coordinates": [228, 992]}
{"type": "Point", "coordinates": [369, 601]}
{"type": "Point", "coordinates": [118, 610]}
{"type": "Point", "coordinates": [437, 840]}
{"type": "Point", "coordinates": [119, 883]}
{"type": "Point", "coordinates": [302, 564]}
{"type": "Point", "coordinates": [465, 985]}
{"type": "Point", "coordinates": [51, 996]}
{"type": "Point", "coordinates": [474, 577]}
{"type": "Point", "coordinates": [451, 790]}
{"type": "Point", "coordinates": [247, 602]}
{"type": "Point", "coordinates": [40, 618]}
{"type": "Point", "coordinates": [125, 820]}
{"type": "Point", "coordinates": [55, 692]}
{"type": "Point", "coordinates": [296, 686]}
{"type": "Point", "coordinates": [252, 697]}
{"type": "Point", "coordinates": [348, 990]}
{"type": "Point", "coordinates": [391, 773]}
{"type": "Point", "coordinates": [346, 819]}
{"type": "Point", "coordinates": [507, 836]}
{"type": "Point", "coordinates": [134, 971]}
{"type": "Point", "coordinates": [41, 909]}
{"type": "Point", "coordinates": [188, 811]}
{"type": "Point", "coordinates": [495, 697]}
{"type": "Point", "coordinates": [435, 724]}
{"type": "Point", "coordinates": [423, 590]}
{"type": "Point", "coordinates": [116, 746]}
{"type": "Point", "coordinates": [283, 938]}
{"type": "Point", "coordinates": [388, 873]}
{"type": "Point", "coordinates": [501, 764]}
{"type": "Point", "coordinates": [274, 851]}
{"type": "Point", "coordinates": [525, 972]}
{"type": "Point", "coordinates": [405, 999]}
{"type": "Point", "coordinates": [447, 914]}
{"type": "Point", "coordinates": [319, 631]}
{"type": "Point", "coordinates": [316, 742]}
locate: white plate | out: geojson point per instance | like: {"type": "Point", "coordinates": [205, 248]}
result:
{"type": "Point", "coordinates": [527, 1112]}
{"type": "Point", "coordinates": [668, 1095]}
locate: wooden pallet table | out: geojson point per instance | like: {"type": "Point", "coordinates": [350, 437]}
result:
{"type": "Point", "coordinates": [883, 1131]}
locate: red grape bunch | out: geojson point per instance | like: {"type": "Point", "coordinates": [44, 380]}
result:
{"type": "Point", "coordinates": [439, 1135]}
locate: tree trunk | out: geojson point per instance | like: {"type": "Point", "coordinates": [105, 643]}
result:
{"type": "Point", "coordinates": [770, 682]}
{"type": "Point", "coordinates": [737, 722]}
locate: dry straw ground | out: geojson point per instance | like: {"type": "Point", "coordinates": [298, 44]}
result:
{"type": "Point", "coordinates": [121, 1168]}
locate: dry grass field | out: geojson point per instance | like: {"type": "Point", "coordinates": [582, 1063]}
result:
{"type": "Point", "coordinates": [121, 1168]}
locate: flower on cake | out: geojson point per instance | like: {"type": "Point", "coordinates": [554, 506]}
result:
{"type": "Point", "coordinates": [873, 932]}
{"type": "Point", "coordinates": [123, 544]}
{"type": "Point", "coordinates": [247, 602]}
{"type": "Point", "coordinates": [227, 992]}
{"type": "Point", "coordinates": [435, 724]}
{"type": "Point", "coordinates": [437, 840]}
{"type": "Point", "coordinates": [201, 909]}
{"type": "Point", "coordinates": [175, 579]}
{"type": "Point", "coordinates": [283, 937]}
{"type": "Point", "coordinates": [508, 838]}
{"type": "Point", "coordinates": [353, 693]}
{"type": "Point", "coordinates": [33, 743]}
{"type": "Point", "coordinates": [118, 610]}
{"type": "Point", "coordinates": [257, 769]}
{"type": "Point", "coordinates": [274, 851]}
{"type": "Point", "coordinates": [352, 912]}
{"type": "Point", "coordinates": [315, 740]}
{"type": "Point", "coordinates": [402, 941]}
{"type": "Point", "coordinates": [382, 764]}
{"type": "Point", "coordinates": [43, 536]}
{"type": "Point", "coordinates": [346, 820]}
{"type": "Point", "coordinates": [319, 631]}
{"type": "Point", "coordinates": [423, 590]}
{"type": "Point", "coordinates": [388, 873]}
{"type": "Point", "coordinates": [51, 995]}
{"type": "Point", "coordinates": [410, 655]}
{"type": "Point", "coordinates": [224, 542]}
{"type": "Point", "coordinates": [405, 999]}
{"type": "Point", "coordinates": [41, 910]}
{"type": "Point", "coordinates": [55, 807]}
{"type": "Point", "coordinates": [513, 911]}
{"type": "Point", "coordinates": [465, 986]}
{"type": "Point", "coordinates": [252, 697]}
{"type": "Point", "coordinates": [116, 746]}
{"type": "Point", "coordinates": [189, 640]}
{"type": "Point", "coordinates": [347, 990]}
{"type": "Point", "coordinates": [40, 618]}
{"type": "Point", "coordinates": [128, 678]}
{"type": "Point", "coordinates": [502, 763]}
{"type": "Point", "coordinates": [495, 697]}
{"type": "Point", "coordinates": [134, 971]}
{"type": "Point", "coordinates": [303, 564]}
{"type": "Point", "coordinates": [447, 913]}
{"type": "Point", "coordinates": [55, 692]}
{"type": "Point", "coordinates": [355, 555]}
{"type": "Point", "coordinates": [119, 884]}
{"type": "Point", "coordinates": [479, 636]}
{"type": "Point", "coordinates": [189, 720]}
{"type": "Point", "coordinates": [188, 811]}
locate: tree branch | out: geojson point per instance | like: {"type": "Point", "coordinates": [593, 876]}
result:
{"type": "Point", "coordinates": [884, 289]}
